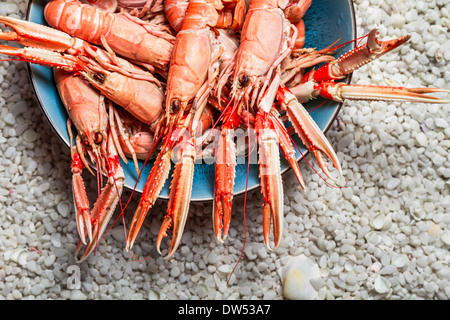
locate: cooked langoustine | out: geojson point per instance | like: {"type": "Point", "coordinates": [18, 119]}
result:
{"type": "Point", "coordinates": [141, 42]}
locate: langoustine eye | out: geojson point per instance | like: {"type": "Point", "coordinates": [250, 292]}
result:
{"type": "Point", "coordinates": [175, 105]}
{"type": "Point", "coordinates": [99, 77]}
{"type": "Point", "coordinates": [97, 137]}
{"type": "Point", "coordinates": [243, 80]}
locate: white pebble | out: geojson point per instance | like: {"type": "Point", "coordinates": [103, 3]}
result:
{"type": "Point", "coordinates": [48, 262]}
{"type": "Point", "coordinates": [444, 273]}
{"type": "Point", "coordinates": [296, 277]}
{"type": "Point", "coordinates": [118, 233]}
{"type": "Point", "coordinates": [400, 260]}
{"type": "Point", "coordinates": [445, 237]}
{"type": "Point", "coordinates": [393, 183]}
{"type": "Point", "coordinates": [63, 208]}
{"type": "Point", "coordinates": [434, 230]}
{"type": "Point", "coordinates": [175, 272]}
{"type": "Point", "coordinates": [30, 135]}
{"type": "Point", "coordinates": [381, 284]}
{"type": "Point", "coordinates": [77, 295]}
{"type": "Point", "coordinates": [441, 123]}
{"type": "Point", "coordinates": [9, 119]}
{"type": "Point", "coordinates": [422, 139]}
{"type": "Point", "coordinates": [37, 289]}
{"type": "Point", "coordinates": [398, 21]}
{"type": "Point", "coordinates": [212, 258]}
{"type": "Point", "coordinates": [378, 221]}
{"type": "Point", "coordinates": [269, 295]}
{"type": "Point", "coordinates": [55, 238]}
{"type": "Point", "coordinates": [8, 8]}
{"type": "Point", "coordinates": [388, 270]}
{"type": "Point", "coordinates": [225, 269]}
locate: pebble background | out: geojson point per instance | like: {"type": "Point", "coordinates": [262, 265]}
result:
{"type": "Point", "coordinates": [385, 235]}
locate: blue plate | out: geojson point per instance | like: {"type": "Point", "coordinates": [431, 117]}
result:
{"type": "Point", "coordinates": [326, 21]}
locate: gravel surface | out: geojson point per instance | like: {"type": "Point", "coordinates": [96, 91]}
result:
{"type": "Point", "coordinates": [386, 235]}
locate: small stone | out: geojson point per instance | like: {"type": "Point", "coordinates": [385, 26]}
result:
{"type": "Point", "coordinates": [8, 8]}
{"type": "Point", "coordinates": [381, 284]}
{"type": "Point", "coordinates": [445, 237]}
{"type": "Point", "coordinates": [390, 269]}
{"type": "Point", "coordinates": [118, 233]}
{"type": "Point", "coordinates": [30, 135]}
{"type": "Point", "coordinates": [429, 207]}
{"type": "Point", "coordinates": [317, 283]}
{"type": "Point", "coordinates": [19, 107]}
{"type": "Point", "coordinates": [49, 260]}
{"type": "Point", "coordinates": [378, 221]}
{"type": "Point", "coordinates": [269, 295]}
{"type": "Point", "coordinates": [429, 122]}
{"type": "Point", "coordinates": [77, 295]}
{"type": "Point", "coordinates": [418, 213]}
{"type": "Point", "coordinates": [225, 269]}
{"type": "Point", "coordinates": [393, 183]}
{"type": "Point", "coordinates": [441, 123]}
{"type": "Point", "coordinates": [373, 237]}
{"type": "Point", "coordinates": [212, 258]}
{"type": "Point", "coordinates": [434, 230]}
{"type": "Point", "coordinates": [37, 289]}
{"type": "Point", "coordinates": [153, 295]}
{"type": "Point", "coordinates": [422, 139]}
{"type": "Point", "coordinates": [31, 266]}
{"type": "Point", "coordinates": [431, 287]}
{"type": "Point", "coordinates": [398, 21]}
{"type": "Point", "coordinates": [175, 272]}
{"type": "Point", "coordinates": [355, 200]}
{"type": "Point", "coordinates": [249, 253]}
{"type": "Point", "coordinates": [400, 260]}
{"type": "Point", "coordinates": [344, 142]}
{"type": "Point", "coordinates": [444, 273]}
{"type": "Point", "coordinates": [297, 277]}
{"type": "Point", "coordinates": [63, 208]}
{"type": "Point", "coordinates": [245, 290]}
{"type": "Point", "coordinates": [55, 239]}
{"type": "Point", "coordinates": [9, 119]}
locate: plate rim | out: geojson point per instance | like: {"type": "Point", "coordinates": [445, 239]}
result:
{"type": "Point", "coordinates": [197, 200]}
